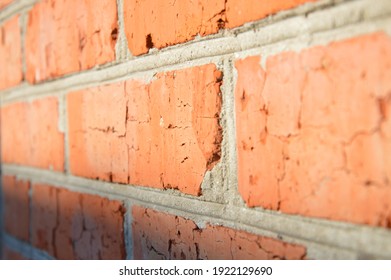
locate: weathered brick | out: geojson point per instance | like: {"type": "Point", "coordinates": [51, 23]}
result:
{"type": "Point", "coordinates": [157, 24]}
{"type": "Point", "coordinates": [158, 235]}
{"type": "Point", "coordinates": [162, 134]}
{"type": "Point", "coordinates": [16, 207]}
{"type": "Point", "coordinates": [66, 36]}
{"type": "Point", "coordinates": [30, 134]}
{"type": "Point", "coordinates": [313, 131]}
{"type": "Point", "coordinates": [10, 53]}
{"type": "Point", "coordinates": [70, 225]}
{"type": "Point", "coordinates": [9, 254]}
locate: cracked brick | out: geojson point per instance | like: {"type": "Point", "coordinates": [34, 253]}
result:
{"type": "Point", "coordinates": [151, 24]}
{"type": "Point", "coordinates": [313, 131]}
{"type": "Point", "coordinates": [16, 207]}
{"type": "Point", "coordinates": [157, 235]}
{"type": "Point", "coordinates": [162, 134]}
{"type": "Point", "coordinates": [70, 225]}
{"type": "Point", "coordinates": [10, 53]}
{"type": "Point", "coordinates": [69, 36]}
{"type": "Point", "coordinates": [30, 134]}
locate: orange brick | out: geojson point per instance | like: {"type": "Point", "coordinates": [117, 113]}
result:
{"type": "Point", "coordinates": [163, 23]}
{"type": "Point", "coordinates": [68, 36]}
{"type": "Point", "coordinates": [304, 144]}
{"type": "Point", "coordinates": [4, 3]}
{"type": "Point", "coordinates": [30, 134]}
{"type": "Point", "coordinates": [162, 134]}
{"type": "Point", "coordinates": [157, 24]}
{"type": "Point", "coordinates": [9, 254]}
{"type": "Point", "coordinates": [16, 205]}
{"type": "Point", "coordinates": [239, 12]}
{"type": "Point", "coordinates": [70, 225]}
{"type": "Point", "coordinates": [10, 53]}
{"type": "Point", "coordinates": [157, 235]}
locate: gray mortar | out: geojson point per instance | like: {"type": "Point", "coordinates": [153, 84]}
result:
{"type": "Point", "coordinates": [121, 48]}
{"type": "Point", "coordinates": [128, 235]}
{"type": "Point", "coordinates": [25, 249]}
{"type": "Point", "coordinates": [14, 8]}
{"type": "Point", "coordinates": [348, 240]}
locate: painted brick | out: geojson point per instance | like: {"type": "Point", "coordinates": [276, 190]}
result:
{"type": "Point", "coordinates": [67, 36]}
{"type": "Point", "coordinates": [158, 24]}
{"type": "Point", "coordinates": [162, 134]}
{"type": "Point", "coordinates": [158, 235]}
{"type": "Point", "coordinates": [9, 254]}
{"type": "Point", "coordinates": [30, 134]}
{"type": "Point", "coordinates": [70, 225]}
{"type": "Point", "coordinates": [10, 53]}
{"type": "Point", "coordinates": [313, 131]}
{"type": "Point", "coordinates": [16, 207]}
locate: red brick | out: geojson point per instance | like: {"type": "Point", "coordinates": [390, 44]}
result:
{"type": "Point", "coordinates": [70, 225]}
{"type": "Point", "coordinates": [10, 53]}
{"type": "Point", "coordinates": [30, 134]}
{"type": "Point", "coordinates": [16, 207]}
{"type": "Point", "coordinates": [9, 254]}
{"type": "Point", "coordinates": [304, 144]}
{"type": "Point", "coordinates": [162, 134]}
{"type": "Point", "coordinates": [159, 24]}
{"type": "Point", "coordinates": [66, 36]}
{"type": "Point", "coordinates": [158, 235]}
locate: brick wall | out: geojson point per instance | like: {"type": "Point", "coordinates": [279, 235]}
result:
{"type": "Point", "coordinates": [195, 129]}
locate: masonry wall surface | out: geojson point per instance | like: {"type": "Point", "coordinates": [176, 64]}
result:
{"type": "Point", "coordinates": [195, 129]}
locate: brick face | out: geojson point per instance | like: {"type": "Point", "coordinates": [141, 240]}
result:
{"type": "Point", "coordinates": [9, 254]}
{"type": "Point", "coordinates": [71, 225]}
{"type": "Point", "coordinates": [164, 23]}
{"type": "Point", "coordinates": [30, 134]}
{"type": "Point", "coordinates": [239, 12]}
{"type": "Point", "coordinates": [4, 3]}
{"type": "Point", "coordinates": [10, 53]}
{"type": "Point", "coordinates": [309, 148]}
{"type": "Point", "coordinates": [68, 36]}
{"type": "Point", "coordinates": [16, 207]}
{"type": "Point", "coordinates": [162, 134]}
{"type": "Point", "coordinates": [162, 236]}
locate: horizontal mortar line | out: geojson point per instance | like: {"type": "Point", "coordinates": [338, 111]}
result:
{"type": "Point", "coordinates": [370, 240]}
{"type": "Point", "coordinates": [25, 249]}
{"type": "Point", "coordinates": [15, 8]}
{"type": "Point", "coordinates": [361, 15]}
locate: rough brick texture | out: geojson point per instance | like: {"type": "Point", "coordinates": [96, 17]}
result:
{"type": "Point", "coordinates": [9, 254]}
{"type": "Point", "coordinates": [65, 36]}
{"type": "Point", "coordinates": [157, 24]}
{"type": "Point", "coordinates": [10, 53]}
{"type": "Point", "coordinates": [162, 134]}
{"type": "Point", "coordinates": [30, 134]}
{"type": "Point", "coordinates": [313, 131]}
{"type": "Point", "coordinates": [16, 207]}
{"type": "Point", "coordinates": [157, 235]}
{"type": "Point", "coordinates": [71, 225]}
